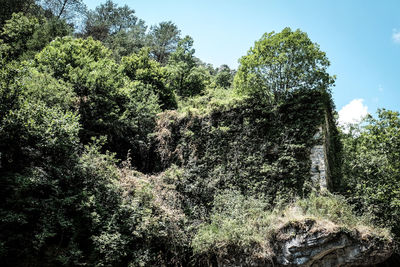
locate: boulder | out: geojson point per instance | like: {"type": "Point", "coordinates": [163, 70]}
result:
{"type": "Point", "coordinates": [311, 243]}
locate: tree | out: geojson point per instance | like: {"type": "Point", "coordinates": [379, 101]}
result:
{"type": "Point", "coordinates": [125, 43]}
{"type": "Point", "coordinates": [164, 40]}
{"type": "Point", "coordinates": [64, 9]}
{"type": "Point", "coordinates": [61, 206]}
{"type": "Point", "coordinates": [117, 27]}
{"type": "Point", "coordinates": [185, 77]}
{"type": "Point", "coordinates": [16, 33]}
{"type": "Point", "coordinates": [25, 35]}
{"type": "Point", "coordinates": [280, 63]}
{"type": "Point", "coordinates": [38, 142]}
{"type": "Point", "coordinates": [140, 67]}
{"type": "Point", "coordinates": [8, 7]}
{"type": "Point", "coordinates": [224, 76]}
{"type": "Point", "coordinates": [104, 94]}
{"type": "Point", "coordinates": [108, 19]}
{"type": "Point", "coordinates": [88, 66]}
{"type": "Point", "coordinates": [371, 167]}
{"type": "Point", "coordinates": [48, 30]}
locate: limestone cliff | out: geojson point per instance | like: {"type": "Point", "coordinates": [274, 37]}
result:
{"type": "Point", "coordinates": [309, 243]}
{"type": "Point", "coordinates": [272, 153]}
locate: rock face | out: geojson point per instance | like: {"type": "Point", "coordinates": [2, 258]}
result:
{"type": "Point", "coordinates": [305, 244]}
{"type": "Point", "coordinates": [318, 160]}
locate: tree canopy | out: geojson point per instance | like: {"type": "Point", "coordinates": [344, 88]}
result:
{"type": "Point", "coordinates": [283, 62]}
{"type": "Point", "coordinates": [186, 76]}
{"type": "Point", "coordinates": [64, 9]}
{"type": "Point", "coordinates": [164, 40]}
{"type": "Point", "coordinates": [371, 167]}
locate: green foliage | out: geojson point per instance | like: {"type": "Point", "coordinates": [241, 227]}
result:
{"type": "Point", "coordinates": [371, 168]}
{"type": "Point", "coordinates": [280, 63]}
{"type": "Point", "coordinates": [130, 222]}
{"type": "Point", "coordinates": [26, 35]}
{"type": "Point", "coordinates": [224, 76]}
{"type": "Point", "coordinates": [213, 99]}
{"type": "Point", "coordinates": [8, 7]}
{"type": "Point", "coordinates": [38, 145]}
{"type": "Point", "coordinates": [96, 83]}
{"type": "Point", "coordinates": [138, 121]}
{"type": "Point", "coordinates": [140, 67]}
{"type": "Point", "coordinates": [9, 86]}
{"type": "Point", "coordinates": [36, 119]}
{"type": "Point", "coordinates": [244, 229]}
{"type": "Point", "coordinates": [255, 148]}
{"type": "Point", "coordinates": [108, 103]}
{"type": "Point", "coordinates": [125, 43]}
{"type": "Point", "coordinates": [185, 77]}
{"type": "Point", "coordinates": [332, 207]}
{"type": "Point", "coordinates": [38, 86]}
{"type": "Point", "coordinates": [36, 131]}
{"type": "Point", "coordinates": [108, 19]}
{"type": "Point", "coordinates": [239, 229]}
{"type": "Point", "coordinates": [16, 33]}
{"type": "Point", "coordinates": [164, 40]}
{"type": "Point", "coordinates": [117, 27]}
{"type": "Point", "coordinates": [83, 210]}
{"type": "Point", "coordinates": [66, 55]}
{"type": "Point", "coordinates": [60, 207]}
{"type": "Point", "coordinates": [46, 32]}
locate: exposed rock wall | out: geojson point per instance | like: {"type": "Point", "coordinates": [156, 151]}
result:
{"type": "Point", "coordinates": [319, 163]}
{"type": "Point", "coordinates": [309, 244]}
{"type": "Point", "coordinates": [322, 156]}
{"type": "Point", "coordinates": [317, 243]}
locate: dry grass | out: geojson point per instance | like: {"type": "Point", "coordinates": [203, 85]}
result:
{"type": "Point", "coordinates": [156, 188]}
{"type": "Point", "coordinates": [241, 224]}
{"type": "Point", "coordinates": [246, 226]}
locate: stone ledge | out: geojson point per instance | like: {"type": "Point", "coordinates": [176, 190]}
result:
{"type": "Point", "coordinates": [303, 244]}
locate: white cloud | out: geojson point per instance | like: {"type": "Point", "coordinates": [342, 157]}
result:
{"type": "Point", "coordinates": [380, 88]}
{"type": "Point", "coordinates": [353, 112]}
{"type": "Point", "coordinates": [396, 36]}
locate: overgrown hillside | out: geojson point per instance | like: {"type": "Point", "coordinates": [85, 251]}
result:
{"type": "Point", "coordinates": [255, 148]}
{"type": "Point", "coordinates": [118, 147]}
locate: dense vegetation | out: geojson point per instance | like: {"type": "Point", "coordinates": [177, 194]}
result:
{"type": "Point", "coordinates": [118, 147]}
{"type": "Point", "coordinates": [371, 177]}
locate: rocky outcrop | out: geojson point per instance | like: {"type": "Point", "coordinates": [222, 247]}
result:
{"type": "Point", "coordinates": [318, 160]}
{"type": "Point", "coordinates": [309, 243]}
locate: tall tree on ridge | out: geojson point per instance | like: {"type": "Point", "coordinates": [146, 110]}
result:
{"type": "Point", "coordinates": [280, 63]}
{"type": "Point", "coordinates": [164, 38]}
{"type": "Point", "coordinates": [64, 9]}
{"type": "Point", "coordinates": [108, 19]}
{"type": "Point", "coordinates": [117, 27]}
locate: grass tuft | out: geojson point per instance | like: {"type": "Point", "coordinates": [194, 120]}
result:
{"type": "Point", "coordinates": [245, 226]}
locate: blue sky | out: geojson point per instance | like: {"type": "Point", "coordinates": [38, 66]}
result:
{"type": "Point", "coordinates": [361, 38]}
